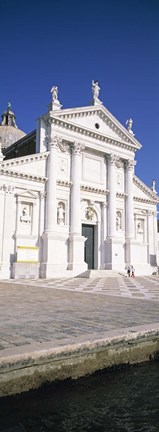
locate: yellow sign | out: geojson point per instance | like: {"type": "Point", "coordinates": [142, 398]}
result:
{"type": "Point", "coordinates": [27, 254]}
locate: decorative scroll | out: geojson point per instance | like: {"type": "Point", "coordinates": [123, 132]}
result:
{"type": "Point", "coordinates": [7, 188]}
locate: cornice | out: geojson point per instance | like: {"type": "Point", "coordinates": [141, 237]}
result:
{"type": "Point", "coordinates": [105, 115]}
{"type": "Point", "coordinates": [21, 175]}
{"type": "Point", "coordinates": [94, 190]}
{"type": "Point", "coordinates": [64, 183]}
{"type": "Point", "coordinates": [144, 200]}
{"type": "Point", "coordinates": [24, 160]}
{"type": "Point", "coordinates": [121, 195]}
{"type": "Point", "coordinates": [81, 130]}
{"type": "Point", "coordinates": [145, 189]}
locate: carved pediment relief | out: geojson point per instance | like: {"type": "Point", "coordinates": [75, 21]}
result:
{"type": "Point", "coordinates": [98, 120]}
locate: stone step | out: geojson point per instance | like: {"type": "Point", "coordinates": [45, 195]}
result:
{"type": "Point", "coordinates": [99, 274]}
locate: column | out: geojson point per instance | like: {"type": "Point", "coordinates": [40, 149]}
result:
{"type": "Point", "coordinates": [112, 196]}
{"type": "Point", "coordinates": [75, 191]}
{"type": "Point", "coordinates": [51, 205]}
{"type": "Point", "coordinates": [54, 246]}
{"type": "Point", "coordinates": [76, 240]}
{"type": "Point", "coordinates": [129, 200]}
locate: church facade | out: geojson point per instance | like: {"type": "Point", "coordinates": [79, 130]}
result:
{"type": "Point", "coordinates": [76, 203]}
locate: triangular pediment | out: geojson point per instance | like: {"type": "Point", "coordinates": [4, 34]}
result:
{"type": "Point", "coordinates": [143, 192]}
{"type": "Point", "coordinates": [31, 164]}
{"type": "Point", "coordinates": [28, 194]}
{"type": "Point", "coordinates": [100, 121]}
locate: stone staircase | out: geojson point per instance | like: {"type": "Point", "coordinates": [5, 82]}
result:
{"type": "Point", "coordinates": [99, 274]}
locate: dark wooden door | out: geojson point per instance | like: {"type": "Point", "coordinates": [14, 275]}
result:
{"type": "Point", "coordinates": [88, 231]}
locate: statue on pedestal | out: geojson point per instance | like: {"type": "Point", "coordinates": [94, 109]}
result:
{"type": "Point", "coordinates": [60, 215]}
{"type": "Point", "coordinates": [95, 92]}
{"type": "Point", "coordinates": [54, 92]}
{"type": "Point", "coordinates": [129, 123]}
{"type": "Point", "coordinates": [25, 215]}
{"type": "Point", "coordinates": [95, 89]}
{"type": "Point", "coordinates": [153, 187]}
{"type": "Point", "coordinates": [55, 103]}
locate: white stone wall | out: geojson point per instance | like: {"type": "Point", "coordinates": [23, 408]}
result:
{"type": "Point", "coordinates": [21, 219]}
{"type": "Point", "coordinates": [81, 174]}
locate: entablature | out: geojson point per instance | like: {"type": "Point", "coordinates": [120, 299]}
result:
{"type": "Point", "coordinates": [103, 113]}
{"type": "Point", "coordinates": [86, 132]}
{"type": "Point", "coordinates": [24, 160]}
{"type": "Point", "coordinates": [146, 190]}
{"type": "Point", "coordinates": [25, 176]}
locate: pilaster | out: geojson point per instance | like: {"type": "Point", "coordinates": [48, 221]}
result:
{"type": "Point", "coordinates": [7, 225]}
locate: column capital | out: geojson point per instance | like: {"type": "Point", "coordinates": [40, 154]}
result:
{"type": "Point", "coordinates": [54, 142]}
{"type": "Point", "coordinates": [77, 147]}
{"type": "Point", "coordinates": [112, 159]}
{"type": "Point", "coordinates": [130, 163]}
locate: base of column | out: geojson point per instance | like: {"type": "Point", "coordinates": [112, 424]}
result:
{"type": "Point", "coordinates": [5, 272]}
{"type": "Point", "coordinates": [137, 254]}
{"type": "Point", "coordinates": [54, 260]}
{"type": "Point", "coordinates": [76, 253]}
{"type": "Point", "coordinates": [25, 270]}
{"type": "Point", "coordinates": [114, 254]}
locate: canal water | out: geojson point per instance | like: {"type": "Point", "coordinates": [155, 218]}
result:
{"type": "Point", "coordinates": [123, 400]}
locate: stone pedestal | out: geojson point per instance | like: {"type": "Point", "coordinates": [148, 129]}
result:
{"type": "Point", "coordinates": [54, 254]}
{"type": "Point", "coordinates": [25, 271]}
{"type": "Point", "coordinates": [5, 271]}
{"type": "Point", "coordinates": [76, 253]}
{"type": "Point", "coordinates": [114, 253]}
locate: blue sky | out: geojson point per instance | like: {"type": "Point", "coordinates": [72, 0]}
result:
{"type": "Point", "coordinates": [69, 43]}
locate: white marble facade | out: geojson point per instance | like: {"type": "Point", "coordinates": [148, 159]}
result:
{"type": "Point", "coordinates": [82, 175]}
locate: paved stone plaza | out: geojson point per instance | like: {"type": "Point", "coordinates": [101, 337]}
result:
{"type": "Point", "coordinates": [60, 311]}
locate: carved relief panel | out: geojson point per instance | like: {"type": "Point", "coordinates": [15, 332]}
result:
{"type": "Point", "coordinates": [63, 168]}
{"type": "Point", "coordinates": [93, 169]}
{"type": "Point", "coordinates": [119, 175]}
{"type": "Point", "coordinates": [27, 218]}
{"type": "Point", "coordinates": [26, 212]}
{"type": "Point", "coordinates": [140, 228]}
{"type": "Point", "coordinates": [119, 220]}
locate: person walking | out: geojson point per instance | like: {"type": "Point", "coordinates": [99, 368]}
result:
{"type": "Point", "coordinates": [128, 271]}
{"type": "Point", "coordinates": [132, 271]}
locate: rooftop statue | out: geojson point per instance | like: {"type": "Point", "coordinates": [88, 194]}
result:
{"type": "Point", "coordinates": [95, 93]}
{"type": "Point", "coordinates": [153, 187]}
{"type": "Point", "coordinates": [54, 92]}
{"type": "Point", "coordinates": [129, 123]}
{"type": "Point", "coordinates": [95, 89]}
{"type": "Point", "coordinates": [55, 103]}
